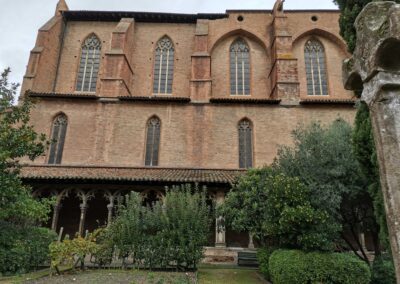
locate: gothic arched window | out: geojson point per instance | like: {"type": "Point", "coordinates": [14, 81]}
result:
{"type": "Point", "coordinates": [240, 68]}
{"type": "Point", "coordinates": [245, 144]}
{"type": "Point", "coordinates": [152, 141]}
{"type": "Point", "coordinates": [314, 54]}
{"type": "Point", "coordinates": [89, 65]}
{"type": "Point", "coordinates": [163, 66]}
{"type": "Point", "coordinates": [58, 132]}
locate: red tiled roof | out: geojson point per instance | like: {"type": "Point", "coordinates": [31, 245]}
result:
{"type": "Point", "coordinates": [62, 95]}
{"type": "Point", "coordinates": [328, 101]}
{"type": "Point", "coordinates": [146, 174]}
{"type": "Point", "coordinates": [155, 98]}
{"type": "Point", "coordinates": [237, 100]}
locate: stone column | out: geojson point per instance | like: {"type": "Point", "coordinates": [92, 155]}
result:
{"type": "Point", "coordinates": [251, 243]}
{"type": "Point", "coordinates": [84, 197]}
{"type": "Point", "coordinates": [83, 208]}
{"type": "Point", "coordinates": [56, 213]}
{"type": "Point", "coordinates": [110, 208]}
{"type": "Point", "coordinates": [375, 69]}
{"type": "Point", "coordinates": [220, 223]}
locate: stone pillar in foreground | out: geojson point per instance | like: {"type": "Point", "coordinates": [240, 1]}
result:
{"type": "Point", "coordinates": [220, 230]}
{"type": "Point", "coordinates": [57, 207]}
{"type": "Point", "coordinates": [375, 69]}
{"type": "Point", "coordinates": [84, 197]}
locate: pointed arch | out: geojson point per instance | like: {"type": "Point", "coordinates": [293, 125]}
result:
{"type": "Point", "coordinates": [245, 128]}
{"type": "Point", "coordinates": [152, 141]}
{"type": "Point", "coordinates": [314, 54]}
{"type": "Point", "coordinates": [239, 67]}
{"type": "Point", "coordinates": [58, 134]}
{"type": "Point", "coordinates": [89, 64]}
{"type": "Point", "coordinates": [163, 66]}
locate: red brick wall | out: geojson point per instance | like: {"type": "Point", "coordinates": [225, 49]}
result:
{"type": "Point", "coordinates": [195, 134]}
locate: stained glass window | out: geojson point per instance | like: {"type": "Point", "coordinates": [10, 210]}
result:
{"type": "Point", "coordinates": [89, 65]}
{"type": "Point", "coordinates": [163, 66]}
{"type": "Point", "coordinates": [152, 141]}
{"type": "Point", "coordinates": [315, 68]}
{"type": "Point", "coordinates": [58, 133]}
{"type": "Point", "coordinates": [245, 144]}
{"type": "Point", "coordinates": [240, 68]}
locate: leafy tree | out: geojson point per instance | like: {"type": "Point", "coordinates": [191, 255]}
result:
{"type": "Point", "coordinates": [364, 146]}
{"type": "Point", "coordinates": [278, 208]}
{"type": "Point", "coordinates": [17, 140]}
{"type": "Point", "coordinates": [323, 159]}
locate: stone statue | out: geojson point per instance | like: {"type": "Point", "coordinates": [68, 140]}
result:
{"type": "Point", "coordinates": [375, 69]}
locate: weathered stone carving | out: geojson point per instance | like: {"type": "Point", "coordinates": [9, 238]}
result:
{"type": "Point", "coordinates": [375, 69]}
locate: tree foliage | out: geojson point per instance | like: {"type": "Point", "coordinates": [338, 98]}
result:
{"type": "Point", "coordinates": [17, 140]}
{"type": "Point", "coordinates": [276, 207]}
{"type": "Point", "coordinates": [364, 146]}
{"type": "Point", "coordinates": [324, 160]}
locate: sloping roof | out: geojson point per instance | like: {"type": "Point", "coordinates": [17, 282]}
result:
{"type": "Point", "coordinates": [328, 101]}
{"type": "Point", "coordinates": [62, 95]}
{"type": "Point", "coordinates": [238, 100]}
{"type": "Point", "coordinates": [155, 98]}
{"type": "Point", "coordinates": [144, 174]}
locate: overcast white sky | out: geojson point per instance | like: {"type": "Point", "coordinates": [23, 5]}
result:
{"type": "Point", "coordinates": [20, 19]}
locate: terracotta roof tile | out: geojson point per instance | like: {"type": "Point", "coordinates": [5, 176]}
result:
{"type": "Point", "coordinates": [238, 100]}
{"type": "Point", "coordinates": [182, 175]}
{"type": "Point", "coordinates": [328, 101]}
{"type": "Point", "coordinates": [63, 95]}
{"type": "Point", "coordinates": [155, 98]}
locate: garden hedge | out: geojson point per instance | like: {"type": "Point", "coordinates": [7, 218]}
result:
{"type": "Point", "coordinates": [23, 248]}
{"type": "Point", "coordinates": [297, 267]}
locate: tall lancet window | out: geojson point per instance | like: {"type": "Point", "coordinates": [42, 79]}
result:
{"type": "Point", "coordinates": [163, 66]}
{"type": "Point", "coordinates": [152, 141]}
{"type": "Point", "coordinates": [240, 68]}
{"type": "Point", "coordinates": [58, 132]}
{"type": "Point", "coordinates": [315, 68]}
{"type": "Point", "coordinates": [245, 144]}
{"type": "Point", "coordinates": [89, 65]}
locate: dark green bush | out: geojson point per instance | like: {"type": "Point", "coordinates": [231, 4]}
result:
{"type": "Point", "coordinates": [297, 267]}
{"type": "Point", "coordinates": [23, 248]}
{"type": "Point", "coordinates": [168, 234]}
{"type": "Point", "coordinates": [263, 256]}
{"type": "Point", "coordinates": [383, 271]}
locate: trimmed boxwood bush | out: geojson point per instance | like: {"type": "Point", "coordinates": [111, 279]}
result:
{"type": "Point", "coordinates": [23, 248]}
{"type": "Point", "coordinates": [263, 256]}
{"type": "Point", "coordinates": [297, 267]}
{"type": "Point", "coordinates": [383, 270]}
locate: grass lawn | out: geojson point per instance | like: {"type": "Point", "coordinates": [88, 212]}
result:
{"type": "Point", "coordinates": [205, 275]}
{"type": "Point", "coordinates": [229, 276]}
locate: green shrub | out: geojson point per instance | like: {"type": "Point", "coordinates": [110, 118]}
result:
{"type": "Point", "coordinates": [297, 267]}
{"type": "Point", "coordinates": [71, 252]}
{"type": "Point", "coordinates": [383, 271]}
{"type": "Point", "coordinates": [263, 256]}
{"type": "Point", "coordinates": [23, 247]}
{"type": "Point", "coordinates": [170, 233]}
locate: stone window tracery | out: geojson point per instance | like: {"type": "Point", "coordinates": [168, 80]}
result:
{"type": "Point", "coordinates": [89, 65]}
{"type": "Point", "coordinates": [240, 68]}
{"type": "Point", "coordinates": [152, 141]}
{"type": "Point", "coordinates": [163, 66]}
{"type": "Point", "coordinates": [58, 133]}
{"type": "Point", "coordinates": [245, 144]}
{"type": "Point", "coordinates": [314, 53]}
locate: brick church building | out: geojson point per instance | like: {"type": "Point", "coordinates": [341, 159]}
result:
{"type": "Point", "coordinates": [139, 101]}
